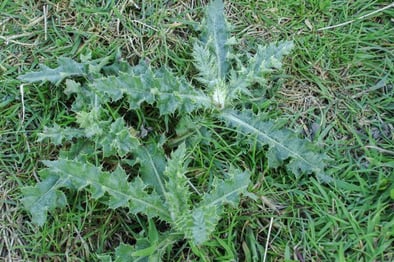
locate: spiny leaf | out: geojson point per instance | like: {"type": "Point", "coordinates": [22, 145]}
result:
{"type": "Point", "coordinates": [228, 190]}
{"type": "Point", "coordinates": [216, 36]}
{"type": "Point", "coordinates": [177, 189]}
{"type": "Point", "coordinates": [118, 139]}
{"type": "Point", "coordinates": [205, 217]}
{"type": "Point", "coordinates": [206, 64]}
{"type": "Point", "coordinates": [57, 134]}
{"type": "Point", "coordinates": [269, 57]}
{"type": "Point", "coordinates": [204, 221]}
{"type": "Point", "coordinates": [66, 68]}
{"type": "Point", "coordinates": [142, 85]}
{"type": "Point", "coordinates": [44, 197]}
{"type": "Point", "coordinates": [283, 144]}
{"type": "Point", "coordinates": [85, 98]}
{"type": "Point", "coordinates": [90, 122]}
{"type": "Point", "coordinates": [121, 192]}
{"type": "Point", "coordinates": [63, 173]}
{"type": "Point", "coordinates": [177, 94]}
{"type": "Point", "coordinates": [152, 165]}
{"type": "Point", "coordinates": [147, 248]}
{"type": "Point", "coordinates": [137, 87]}
{"type": "Point", "coordinates": [124, 252]}
{"type": "Point", "coordinates": [266, 59]}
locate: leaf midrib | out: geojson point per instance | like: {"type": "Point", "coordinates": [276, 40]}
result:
{"type": "Point", "coordinates": [234, 118]}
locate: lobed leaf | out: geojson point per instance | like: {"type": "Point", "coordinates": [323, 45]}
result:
{"type": "Point", "coordinates": [63, 173]}
{"type": "Point", "coordinates": [266, 59]}
{"type": "Point", "coordinates": [142, 85]}
{"type": "Point", "coordinates": [177, 189]}
{"type": "Point", "coordinates": [146, 248]}
{"type": "Point", "coordinates": [85, 98]}
{"type": "Point", "coordinates": [177, 94]}
{"type": "Point", "coordinates": [269, 57]}
{"type": "Point", "coordinates": [206, 65]}
{"type": "Point", "coordinates": [118, 140]}
{"type": "Point", "coordinates": [91, 123]}
{"type": "Point", "coordinates": [66, 68]}
{"type": "Point", "coordinates": [283, 144]}
{"type": "Point", "coordinates": [205, 217]}
{"type": "Point", "coordinates": [57, 134]}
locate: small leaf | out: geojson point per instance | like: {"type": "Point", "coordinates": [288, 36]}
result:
{"type": "Point", "coordinates": [90, 122]}
{"type": "Point", "coordinates": [205, 62]}
{"type": "Point", "coordinates": [152, 165]}
{"type": "Point", "coordinates": [228, 190]}
{"type": "Point", "coordinates": [205, 217]}
{"type": "Point", "coordinates": [124, 253]}
{"type": "Point", "coordinates": [57, 134]}
{"type": "Point", "coordinates": [118, 139]}
{"type": "Point", "coordinates": [269, 57]}
{"type": "Point", "coordinates": [177, 94]}
{"type": "Point", "coordinates": [66, 68]}
{"type": "Point", "coordinates": [43, 197]}
{"type": "Point", "coordinates": [204, 222]}
{"type": "Point", "coordinates": [85, 99]}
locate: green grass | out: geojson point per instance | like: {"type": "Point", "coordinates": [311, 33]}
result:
{"type": "Point", "coordinates": [336, 88]}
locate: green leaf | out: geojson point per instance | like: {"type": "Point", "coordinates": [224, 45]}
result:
{"type": "Point", "coordinates": [147, 248]}
{"type": "Point", "coordinates": [85, 98]}
{"type": "Point", "coordinates": [90, 122]}
{"type": "Point", "coordinates": [269, 57]}
{"type": "Point", "coordinates": [216, 36]}
{"type": "Point", "coordinates": [174, 93]}
{"type": "Point", "coordinates": [283, 144]}
{"type": "Point", "coordinates": [124, 253]}
{"type": "Point", "coordinates": [143, 251]}
{"type": "Point", "coordinates": [43, 197]}
{"type": "Point", "coordinates": [152, 165]}
{"type": "Point", "coordinates": [118, 139]}
{"type": "Point", "coordinates": [64, 173]}
{"type": "Point", "coordinates": [177, 188]}
{"type": "Point", "coordinates": [66, 68]}
{"type": "Point", "coordinates": [228, 190]}
{"type": "Point", "coordinates": [205, 217]}
{"type": "Point", "coordinates": [266, 59]}
{"type": "Point", "coordinates": [142, 85]}
{"type": "Point", "coordinates": [57, 134]}
{"type": "Point", "coordinates": [206, 64]}
{"type": "Point", "coordinates": [204, 221]}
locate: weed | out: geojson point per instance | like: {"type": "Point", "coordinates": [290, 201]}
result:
{"type": "Point", "coordinates": [126, 166]}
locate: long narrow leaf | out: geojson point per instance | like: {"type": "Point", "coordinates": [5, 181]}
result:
{"type": "Point", "coordinates": [66, 68]}
{"type": "Point", "coordinates": [283, 144]}
{"type": "Point", "coordinates": [177, 188]}
{"type": "Point", "coordinates": [64, 173]}
{"type": "Point", "coordinates": [217, 35]}
{"type": "Point", "coordinates": [161, 87]}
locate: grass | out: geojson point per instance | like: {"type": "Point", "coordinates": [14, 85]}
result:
{"type": "Point", "coordinates": [336, 88]}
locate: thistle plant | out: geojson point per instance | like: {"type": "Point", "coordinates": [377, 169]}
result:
{"type": "Point", "coordinates": [141, 176]}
